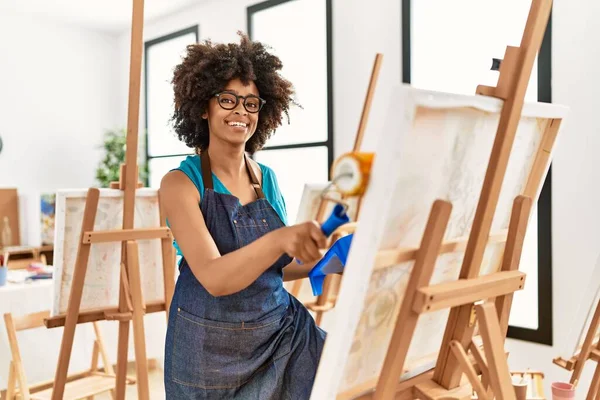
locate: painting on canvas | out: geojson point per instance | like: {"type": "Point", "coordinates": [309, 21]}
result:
{"type": "Point", "coordinates": [48, 210]}
{"type": "Point", "coordinates": [101, 288]}
{"type": "Point", "coordinates": [436, 146]}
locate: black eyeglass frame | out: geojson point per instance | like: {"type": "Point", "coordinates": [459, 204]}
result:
{"type": "Point", "coordinates": [261, 101]}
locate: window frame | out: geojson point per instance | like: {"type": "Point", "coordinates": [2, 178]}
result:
{"type": "Point", "coordinates": [147, 45]}
{"type": "Point", "coordinates": [544, 333]}
{"type": "Point", "coordinates": [328, 143]}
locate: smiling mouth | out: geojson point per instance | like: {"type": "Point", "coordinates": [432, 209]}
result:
{"type": "Point", "coordinates": [238, 124]}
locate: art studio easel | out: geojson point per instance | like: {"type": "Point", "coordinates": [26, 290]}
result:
{"type": "Point", "coordinates": [326, 300]}
{"type": "Point", "coordinates": [589, 351]}
{"type": "Point", "coordinates": [131, 307]}
{"type": "Point", "coordinates": [474, 301]}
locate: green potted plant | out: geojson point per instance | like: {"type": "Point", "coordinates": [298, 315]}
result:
{"type": "Point", "coordinates": [114, 146]}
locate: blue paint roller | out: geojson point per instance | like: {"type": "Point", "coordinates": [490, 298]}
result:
{"type": "Point", "coordinates": [334, 260]}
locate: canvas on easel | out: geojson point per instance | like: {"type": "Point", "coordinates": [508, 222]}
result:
{"type": "Point", "coordinates": [447, 140]}
{"type": "Point", "coordinates": [583, 343]}
{"type": "Point", "coordinates": [104, 263]}
{"type": "Point", "coordinates": [440, 232]}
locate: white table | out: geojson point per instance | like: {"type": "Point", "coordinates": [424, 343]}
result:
{"type": "Point", "coordinates": [40, 347]}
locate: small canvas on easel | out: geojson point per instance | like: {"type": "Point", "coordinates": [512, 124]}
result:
{"type": "Point", "coordinates": [583, 342]}
{"type": "Point", "coordinates": [311, 200]}
{"type": "Point", "coordinates": [582, 323]}
{"type": "Point", "coordinates": [101, 288]}
{"type": "Point", "coordinates": [583, 320]}
{"type": "Point", "coordinates": [434, 146]}
{"type": "Point", "coordinates": [313, 197]}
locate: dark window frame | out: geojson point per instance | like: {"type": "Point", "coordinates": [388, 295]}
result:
{"type": "Point", "coordinates": [147, 45]}
{"type": "Point", "coordinates": [544, 333]}
{"type": "Point", "coordinates": [253, 9]}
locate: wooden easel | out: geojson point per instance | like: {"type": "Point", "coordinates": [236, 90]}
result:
{"type": "Point", "coordinates": [473, 300]}
{"type": "Point", "coordinates": [89, 383]}
{"type": "Point", "coordinates": [131, 304]}
{"type": "Point", "coordinates": [326, 301]}
{"type": "Point", "coordinates": [590, 350]}
{"type": "Point", "coordinates": [515, 72]}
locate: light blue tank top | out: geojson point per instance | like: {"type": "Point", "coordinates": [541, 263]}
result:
{"type": "Point", "coordinates": [191, 167]}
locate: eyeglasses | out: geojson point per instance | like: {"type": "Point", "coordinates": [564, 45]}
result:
{"type": "Point", "coordinates": [230, 101]}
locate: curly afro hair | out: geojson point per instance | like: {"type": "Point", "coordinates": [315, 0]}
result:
{"type": "Point", "coordinates": [207, 68]}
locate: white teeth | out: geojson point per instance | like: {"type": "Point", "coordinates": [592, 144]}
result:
{"type": "Point", "coordinates": [237, 124]}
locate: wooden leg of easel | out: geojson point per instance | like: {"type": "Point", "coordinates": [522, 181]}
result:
{"type": "Point", "coordinates": [368, 101]}
{"type": "Point", "coordinates": [17, 363]}
{"type": "Point", "coordinates": [126, 286]}
{"type": "Point", "coordinates": [465, 363]}
{"type": "Point", "coordinates": [168, 272]}
{"type": "Point", "coordinates": [139, 337]}
{"type": "Point", "coordinates": [296, 286]}
{"type": "Point", "coordinates": [512, 253]}
{"type": "Point", "coordinates": [485, 373]}
{"type": "Point", "coordinates": [594, 392]}
{"type": "Point", "coordinates": [122, 347]}
{"type": "Point", "coordinates": [12, 377]}
{"type": "Point", "coordinates": [130, 174]}
{"type": "Point", "coordinates": [586, 348]}
{"type": "Point", "coordinates": [95, 354]}
{"type": "Point", "coordinates": [493, 344]}
{"type": "Point", "coordinates": [407, 318]}
{"type": "Point", "coordinates": [104, 355]}
{"type": "Point", "coordinates": [83, 253]}
{"type": "Point", "coordinates": [318, 318]}
{"type": "Point", "coordinates": [323, 299]}
{"type": "Point", "coordinates": [102, 349]}
{"type": "Point", "coordinates": [168, 257]}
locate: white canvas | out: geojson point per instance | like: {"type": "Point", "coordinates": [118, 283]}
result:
{"type": "Point", "coordinates": [434, 146]}
{"type": "Point", "coordinates": [101, 288]}
{"type": "Point", "coordinates": [310, 202]}
{"type": "Point", "coordinates": [581, 323]}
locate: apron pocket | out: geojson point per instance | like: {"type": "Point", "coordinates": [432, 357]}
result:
{"type": "Point", "coordinates": [220, 355]}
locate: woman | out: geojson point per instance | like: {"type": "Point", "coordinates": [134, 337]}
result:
{"type": "Point", "coordinates": [234, 331]}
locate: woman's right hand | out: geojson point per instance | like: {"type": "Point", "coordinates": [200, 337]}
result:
{"type": "Point", "coordinates": [302, 241]}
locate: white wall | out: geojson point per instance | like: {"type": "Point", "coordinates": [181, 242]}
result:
{"type": "Point", "coordinates": [576, 173]}
{"type": "Point", "coordinates": [360, 30]}
{"type": "Point", "coordinates": [57, 91]}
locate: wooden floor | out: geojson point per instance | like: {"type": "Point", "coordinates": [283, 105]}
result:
{"type": "Point", "coordinates": [155, 380]}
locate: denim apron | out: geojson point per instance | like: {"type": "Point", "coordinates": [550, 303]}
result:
{"type": "Point", "coordinates": [257, 344]}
